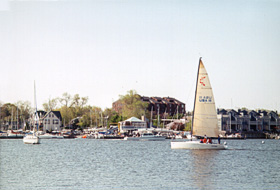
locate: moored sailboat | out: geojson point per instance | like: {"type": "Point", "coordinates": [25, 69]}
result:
{"type": "Point", "coordinates": [33, 138]}
{"type": "Point", "coordinates": [204, 120]}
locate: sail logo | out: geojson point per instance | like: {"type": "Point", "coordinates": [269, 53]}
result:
{"type": "Point", "coordinates": [200, 81]}
{"type": "Point", "coordinates": [205, 99]}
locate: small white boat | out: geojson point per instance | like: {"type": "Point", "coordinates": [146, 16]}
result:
{"type": "Point", "coordinates": [204, 119]}
{"type": "Point", "coordinates": [146, 137]}
{"type": "Point", "coordinates": [31, 139]}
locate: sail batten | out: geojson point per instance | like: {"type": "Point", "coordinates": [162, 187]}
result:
{"type": "Point", "coordinates": [205, 120]}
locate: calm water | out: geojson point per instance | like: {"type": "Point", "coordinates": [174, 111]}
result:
{"type": "Point", "coordinates": [118, 164]}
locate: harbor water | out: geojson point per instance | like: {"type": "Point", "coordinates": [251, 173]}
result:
{"type": "Point", "coordinates": [118, 164]}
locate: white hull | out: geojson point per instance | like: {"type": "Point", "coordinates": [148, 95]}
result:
{"type": "Point", "coordinates": [196, 145]}
{"type": "Point", "coordinates": [31, 139]}
{"type": "Point", "coordinates": [47, 136]}
{"type": "Point", "coordinates": [15, 135]}
{"type": "Point", "coordinates": [155, 138]}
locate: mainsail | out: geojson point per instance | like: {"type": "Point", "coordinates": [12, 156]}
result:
{"type": "Point", "coordinates": [205, 120]}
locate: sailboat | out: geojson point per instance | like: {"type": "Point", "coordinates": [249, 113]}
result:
{"type": "Point", "coordinates": [204, 119]}
{"type": "Point", "coordinates": [33, 138]}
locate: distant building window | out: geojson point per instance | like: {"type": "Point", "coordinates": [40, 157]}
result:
{"type": "Point", "coordinates": [49, 121]}
{"type": "Point", "coordinates": [55, 121]}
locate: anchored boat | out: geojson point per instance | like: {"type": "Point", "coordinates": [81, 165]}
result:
{"type": "Point", "coordinates": [33, 138]}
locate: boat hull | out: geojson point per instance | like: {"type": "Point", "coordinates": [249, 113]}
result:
{"type": "Point", "coordinates": [31, 140]}
{"type": "Point", "coordinates": [50, 137]}
{"type": "Point", "coordinates": [155, 138]}
{"type": "Point", "coordinates": [196, 145]}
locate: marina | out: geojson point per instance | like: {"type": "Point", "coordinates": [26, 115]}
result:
{"type": "Point", "coordinates": [120, 104]}
{"type": "Point", "coordinates": [118, 164]}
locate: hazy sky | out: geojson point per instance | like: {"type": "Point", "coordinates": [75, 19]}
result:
{"type": "Point", "coordinates": [102, 49]}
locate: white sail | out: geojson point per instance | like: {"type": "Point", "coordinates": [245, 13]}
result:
{"type": "Point", "coordinates": [205, 120]}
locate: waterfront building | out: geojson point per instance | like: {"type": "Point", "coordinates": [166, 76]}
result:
{"type": "Point", "coordinates": [248, 121]}
{"type": "Point", "coordinates": [131, 124]}
{"type": "Point", "coordinates": [50, 121]}
{"type": "Point", "coordinates": [157, 105]}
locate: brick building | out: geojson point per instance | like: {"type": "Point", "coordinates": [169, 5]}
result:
{"type": "Point", "coordinates": [168, 105]}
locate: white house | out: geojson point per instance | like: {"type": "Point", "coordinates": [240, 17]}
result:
{"type": "Point", "coordinates": [51, 121]}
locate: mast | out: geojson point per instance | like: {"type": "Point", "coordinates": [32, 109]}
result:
{"type": "Point", "coordinates": [101, 118]}
{"type": "Point", "coordinates": [158, 123]}
{"type": "Point", "coordinates": [195, 96]}
{"type": "Point", "coordinates": [12, 118]}
{"type": "Point", "coordinates": [151, 122]}
{"type": "Point", "coordinates": [17, 117]}
{"type": "Point", "coordinates": [90, 118]}
{"type": "Point", "coordinates": [35, 104]}
{"type": "Point", "coordinates": [96, 117]}
{"type": "Point", "coordinates": [164, 117]}
{"type": "Point", "coordinates": [177, 110]}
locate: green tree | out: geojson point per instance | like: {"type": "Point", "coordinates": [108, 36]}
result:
{"type": "Point", "coordinates": [65, 111]}
{"type": "Point", "coordinates": [116, 118]}
{"type": "Point", "coordinates": [112, 116]}
{"type": "Point", "coordinates": [90, 117]}
{"type": "Point", "coordinates": [78, 104]}
{"type": "Point", "coordinates": [188, 126]}
{"type": "Point", "coordinates": [50, 105]}
{"type": "Point", "coordinates": [25, 110]}
{"type": "Point", "coordinates": [20, 111]}
{"type": "Point", "coordinates": [73, 107]}
{"type": "Point", "coordinates": [7, 110]}
{"type": "Point", "coordinates": [133, 106]}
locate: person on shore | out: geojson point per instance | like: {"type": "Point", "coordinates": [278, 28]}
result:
{"type": "Point", "coordinates": [209, 141]}
{"type": "Point", "coordinates": [219, 139]}
{"type": "Point", "coordinates": [201, 141]}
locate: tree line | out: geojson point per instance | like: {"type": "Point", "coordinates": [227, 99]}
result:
{"type": "Point", "coordinates": [76, 107]}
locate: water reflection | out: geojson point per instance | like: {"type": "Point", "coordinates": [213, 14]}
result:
{"type": "Point", "coordinates": [203, 166]}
